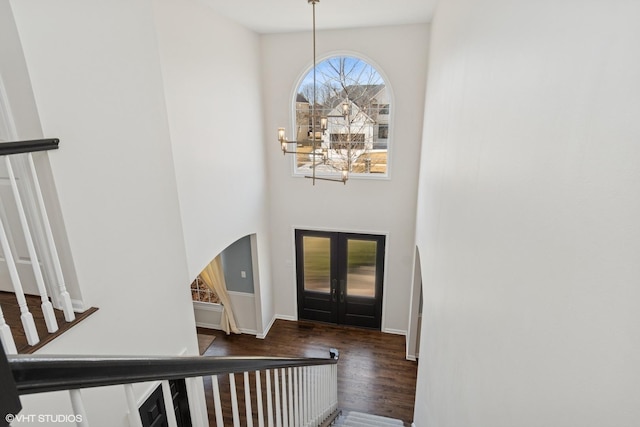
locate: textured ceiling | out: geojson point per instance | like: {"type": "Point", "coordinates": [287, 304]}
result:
{"type": "Point", "coordinates": [278, 16]}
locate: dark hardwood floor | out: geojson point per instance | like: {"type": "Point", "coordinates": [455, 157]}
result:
{"type": "Point", "coordinates": [373, 374]}
{"type": "Point", "coordinates": [11, 313]}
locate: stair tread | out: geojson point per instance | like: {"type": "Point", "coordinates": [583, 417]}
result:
{"type": "Point", "coordinates": [360, 419]}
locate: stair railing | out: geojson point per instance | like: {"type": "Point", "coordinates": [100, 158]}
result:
{"type": "Point", "coordinates": [20, 152]}
{"type": "Point", "coordinates": [304, 393]}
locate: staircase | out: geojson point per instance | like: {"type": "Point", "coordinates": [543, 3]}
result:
{"type": "Point", "coordinates": [359, 419]}
{"type": "Point", "coordinates": [29, 261]}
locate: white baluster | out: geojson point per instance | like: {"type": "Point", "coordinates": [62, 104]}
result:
{"type": "Point", "coordinates": [335, 386]}
{"type": "Point", "coordinates": [305, 403]}
{"type": "Point", "coordinates": [247, 400]}
{"type": "Point", "coordinates": [47, 308]}
{"type": "Point", "coordinates": [314, 396]}
{"type": "Point", "coordinates": [78, 408]}
{"type": "Point", "coordinates": [27, 319]}
{"type": "Point", "coordinates": [193, 387]}
{"type": "Point", "coordinates": [325, 377]}
{"type": "Point", "coordinates": [309, 396]}
{"type": "Point", "coordinates": [325, 391]}
{"type": "Point", "coordinates": [285, 414]}
{"type": "Point", "coordinates": [134, 411]}
{"type": "Point", "coordinates": [170, 410]}
{"type": "Point", "coordinates": [216, 401]}
{"type": "Point", "coordinates": [234, 401]}
{"type": "Point", "coordinates": [269, 401]}
{"type": "Point", "coordinates": [6, 337]}
{"type": "Point", "coordinates": [319, 369]}
{"type": "Point", "coordinates": [259, 400]}
{"type": "Point", "coordinates": [291, 417]}
{"type": "Point", "coordinates": [296, 400]}
{"type": "Point", "coordinates": [276, 386]}
{"type": "Point", "coordinates": [320, 393]}
{"type": "Point", "coordinates": [65, 299]}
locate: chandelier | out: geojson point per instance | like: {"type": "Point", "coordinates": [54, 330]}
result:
{"type": "Point", "coordinates": [318, 129]}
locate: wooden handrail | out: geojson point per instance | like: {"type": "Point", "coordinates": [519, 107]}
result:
{"type": "Point", "coordinates": [17, 147]}
{"type": "Point", "coordinates": [43, 373]}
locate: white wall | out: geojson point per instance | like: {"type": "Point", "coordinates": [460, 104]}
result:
{"type": "Point", "coordinates": [370, 206]}
{"type": "Point", "coordinates": [211, 74]}
{"type": "Point", "coordinates": [23, 123]}
{"type": "Point", "coordinates": [528, 216]}
{"type": "Point", "coordinates": [13, 72]}
{"type": "Point", "coordinates": [96, 79]}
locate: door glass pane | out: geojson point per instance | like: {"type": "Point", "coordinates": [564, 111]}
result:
{"type": "Point", "coordinates": [361, 268]}
{"type": "Point", "coordinates": [317, 263]}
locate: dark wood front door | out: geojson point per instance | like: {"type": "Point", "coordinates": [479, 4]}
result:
{"type": "Point", "coordinates": [339, 277]}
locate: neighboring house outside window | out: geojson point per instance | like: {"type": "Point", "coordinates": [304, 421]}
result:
{"type": "Point", "coordinates": [354, 98]}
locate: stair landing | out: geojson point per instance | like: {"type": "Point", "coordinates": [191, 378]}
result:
{"type": "Point", "coordinates": [11, 313]}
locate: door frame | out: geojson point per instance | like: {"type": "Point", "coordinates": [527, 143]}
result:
{"type": "Point", "coordinates": [294, 273]}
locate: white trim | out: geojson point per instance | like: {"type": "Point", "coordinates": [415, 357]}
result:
{"type": "Point", "coordinates": [394, 331]}
{"type": "Point", "coordinates": [412, 358]}
{"type": "Point", "coordinates": [248, 331]}
{"type": "Point", "coordinates": [273, 320]}
{"type": "Point", "coordinates": [209, 326]}
{"type": "Point", "coordinates": [208, 306]}
{"type": "Point", "coordinates": [264, 333]}
{"type": "Point", "coordinates": [415, 317]}
{"type": "Point", "coordinates": [257, 291]}
{"type": "Point", "coordinates": [240, 294]}
{"type": "Point", "coordinates": [78, 306]}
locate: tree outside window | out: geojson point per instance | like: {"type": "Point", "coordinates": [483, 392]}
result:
{"type": "Point", "coordinates": [352, 97]}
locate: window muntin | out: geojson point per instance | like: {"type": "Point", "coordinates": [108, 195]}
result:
{"type": "Point", "coordinates": [343, 83]}
{"type": "Point", "coordinates": [202, 293]}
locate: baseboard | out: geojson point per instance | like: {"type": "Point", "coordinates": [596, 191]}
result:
{"type": "Point", "coordinates": [411, 358]}
{"type": "Point", "coordinates": [264, 333]}
{"type": "Point", "coordinates": [78, 306]}
{"type": "Point", "coordinates": [209, 326]}
{"type": "Point", "coordinates": [248, 331]}
{"type": "Point", "coordinates": [208, 306]}
{"type": "Point", "coordinates": [395, 331]}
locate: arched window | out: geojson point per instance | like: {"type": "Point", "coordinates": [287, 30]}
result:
{"type": "Point", "coordinates": [352, 102]}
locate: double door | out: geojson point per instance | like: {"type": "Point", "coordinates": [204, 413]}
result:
{"type": "Point", "coordinates": [340, 277]}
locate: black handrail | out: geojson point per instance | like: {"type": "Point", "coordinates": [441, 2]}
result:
{"type": "Point", "coordinates": [37, 374]}
{"type": "Point", "coordinates": [17, 147]}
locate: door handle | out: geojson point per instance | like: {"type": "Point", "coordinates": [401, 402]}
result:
{"type": "Point", "coordinates": [341, 290]}
{"type": "Point", "coordinates": [333, 290]}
